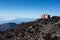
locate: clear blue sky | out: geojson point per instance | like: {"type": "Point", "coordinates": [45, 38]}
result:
{"type": "Point", "coordinates": [28, 8]}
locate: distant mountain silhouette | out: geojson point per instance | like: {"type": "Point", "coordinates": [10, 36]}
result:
{"type": "Point", "coordinates": [7, 26]}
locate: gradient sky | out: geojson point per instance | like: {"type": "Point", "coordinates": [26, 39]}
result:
{"type": "Point", "coordinates": [28, 8]}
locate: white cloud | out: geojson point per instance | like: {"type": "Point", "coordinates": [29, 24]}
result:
{"type": "Point", "coordinates": [9, 18]}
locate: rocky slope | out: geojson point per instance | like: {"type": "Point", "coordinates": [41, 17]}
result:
{"type": "Point", "coordinates": [40, 29]}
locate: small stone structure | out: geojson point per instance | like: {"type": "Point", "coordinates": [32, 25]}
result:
{"type": "Point", "coordinates": [45, 16]}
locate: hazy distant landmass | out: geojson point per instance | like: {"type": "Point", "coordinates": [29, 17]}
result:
{"type": "Point", "coordinates": [7, 26]}
{"type": "Point", "coordinates": [10, 23]}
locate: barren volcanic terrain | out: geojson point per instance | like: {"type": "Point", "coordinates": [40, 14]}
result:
{"type": "Point", "coordinates": [40, 29]}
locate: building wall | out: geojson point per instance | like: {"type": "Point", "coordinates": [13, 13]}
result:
{"type": "Point", "coordinates": [46, 16]}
